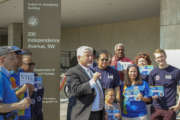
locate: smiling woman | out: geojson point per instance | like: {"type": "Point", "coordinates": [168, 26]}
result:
{"type": "Point", "coordinates": [109, 77]}
{"type": "Point", "coordinates": [135, 94]}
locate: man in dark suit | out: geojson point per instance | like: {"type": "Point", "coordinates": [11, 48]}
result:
{"type": "Point", "coordinates": [85, 88]}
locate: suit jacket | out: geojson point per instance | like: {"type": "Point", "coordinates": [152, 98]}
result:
{"type": "Point", "coordinates": [83, 94]}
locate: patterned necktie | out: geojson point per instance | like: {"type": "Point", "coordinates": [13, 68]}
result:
{"type": "Point", "coordinates": [98, 86]}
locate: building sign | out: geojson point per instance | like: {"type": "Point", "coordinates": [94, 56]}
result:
{"type": "Point", "coordinates": [42, 37]}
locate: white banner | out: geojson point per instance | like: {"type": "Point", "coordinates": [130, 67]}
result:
{"type": "Point", "coordinates": [173, 57]}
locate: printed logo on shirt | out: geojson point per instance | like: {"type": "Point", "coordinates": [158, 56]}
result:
{"type": "Point", "coordinates": [157, 77]}
{"type": "Point", "coordinates": [13, 82]}
{"type": "Point", "coordinates": [110, 77]}
{"type": "Point", "coordinates": [33, 101]}
{"type": "Point", "coordinates": [39, 98]}
{"type": "Point", "coordinates": [35, 89]}
{"type": "Point", "coordinates": [168, 77]}
{"type": "Point", "coordinates": [136, 87]}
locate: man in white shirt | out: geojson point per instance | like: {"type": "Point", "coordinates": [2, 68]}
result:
{"type": "Point", "coordinates": [85, 88]}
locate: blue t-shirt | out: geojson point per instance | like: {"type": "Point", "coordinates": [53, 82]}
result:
{"type": "Point", "coordinates": [7, 95]}
{"type": "Point", "coordinates": [145, 78]}
{"type": "Point", "coordinates": [168, 78]}
{"type": "Point", "coordinates": [131, 106]}
{"type": "Point", "coordinates": [23, 114]}
{"type": "Point", "coordinates": [109, 77]}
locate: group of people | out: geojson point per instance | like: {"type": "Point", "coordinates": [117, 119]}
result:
{"type": "Point", "coordinates": [19, 100]}
{"type": "Point", "coordinates": [114, 88]}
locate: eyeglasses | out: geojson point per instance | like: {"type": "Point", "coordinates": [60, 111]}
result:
{"type": "Point", "coordinates": [104, 60]}
{"type": "Point", "coordinates": [31, 63]}
{"type": "Point", "coordinates": [119, 49]}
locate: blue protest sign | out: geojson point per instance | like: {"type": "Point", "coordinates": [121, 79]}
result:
{"type": "Point", "coordinates": [156, 90]}
{"type": "Point", "coordinates": [145, 70]}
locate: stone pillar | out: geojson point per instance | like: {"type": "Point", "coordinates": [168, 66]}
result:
{"type": "Point", "coordinates": [170, 24]}
{"type": "Point", "coordinates": [15, 34]}
{"type": "Point", "coordinates": [42, 35]}
{"type": "Point", "coordinates": [3, 36]}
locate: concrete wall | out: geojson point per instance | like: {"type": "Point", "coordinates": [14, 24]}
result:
{"type": "Point", "coordinates": [137, 35]}
{"type": "Point", "coordinates": [170, 24]}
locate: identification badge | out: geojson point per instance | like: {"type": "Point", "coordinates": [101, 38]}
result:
{"type": "Point", "coordinates": [168, 77]}
{"type": "Point", "coordinates": [110, 77]}
{"type": "Point", "coordinates": [157, 77]}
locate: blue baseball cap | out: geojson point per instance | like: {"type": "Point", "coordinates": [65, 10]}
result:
{"type": "Point", "coordinates": [16, 49]}
{"type": "Point", "coordinates": [9, 49]}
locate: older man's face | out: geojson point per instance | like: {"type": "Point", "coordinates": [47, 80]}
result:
{"type": "Point", "coordinates": [11, 61]}
{"type": "Point", "coordinates": [119, 52]}
{"type": "Point", "coordinates": [87, 59]}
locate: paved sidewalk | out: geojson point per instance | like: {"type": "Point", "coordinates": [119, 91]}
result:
{"type": "Point", "coordinates": [63, 110]}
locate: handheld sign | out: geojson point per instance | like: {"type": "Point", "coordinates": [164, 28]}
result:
{"type": "Point", "coordinates": [122, 65]}
{"type": "Point", "coordinates": [26, 78]}
{"type": "Point", "coordinates": [111, 114]}
{"type": "Point", "coordinates": [156, 90]}
{"type": "Point", "coordinates": [132, 94]}
{"type": "Point", "coordinates": [145, 70]}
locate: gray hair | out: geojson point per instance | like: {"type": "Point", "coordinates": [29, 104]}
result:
{"type": "Point", "coordinates": [117, 45]}
{"type": "Point", "coordinates": [82, 49]}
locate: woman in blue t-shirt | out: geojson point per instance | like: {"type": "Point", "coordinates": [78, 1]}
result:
{"type": "Point", "coordinates": [135, 94]}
